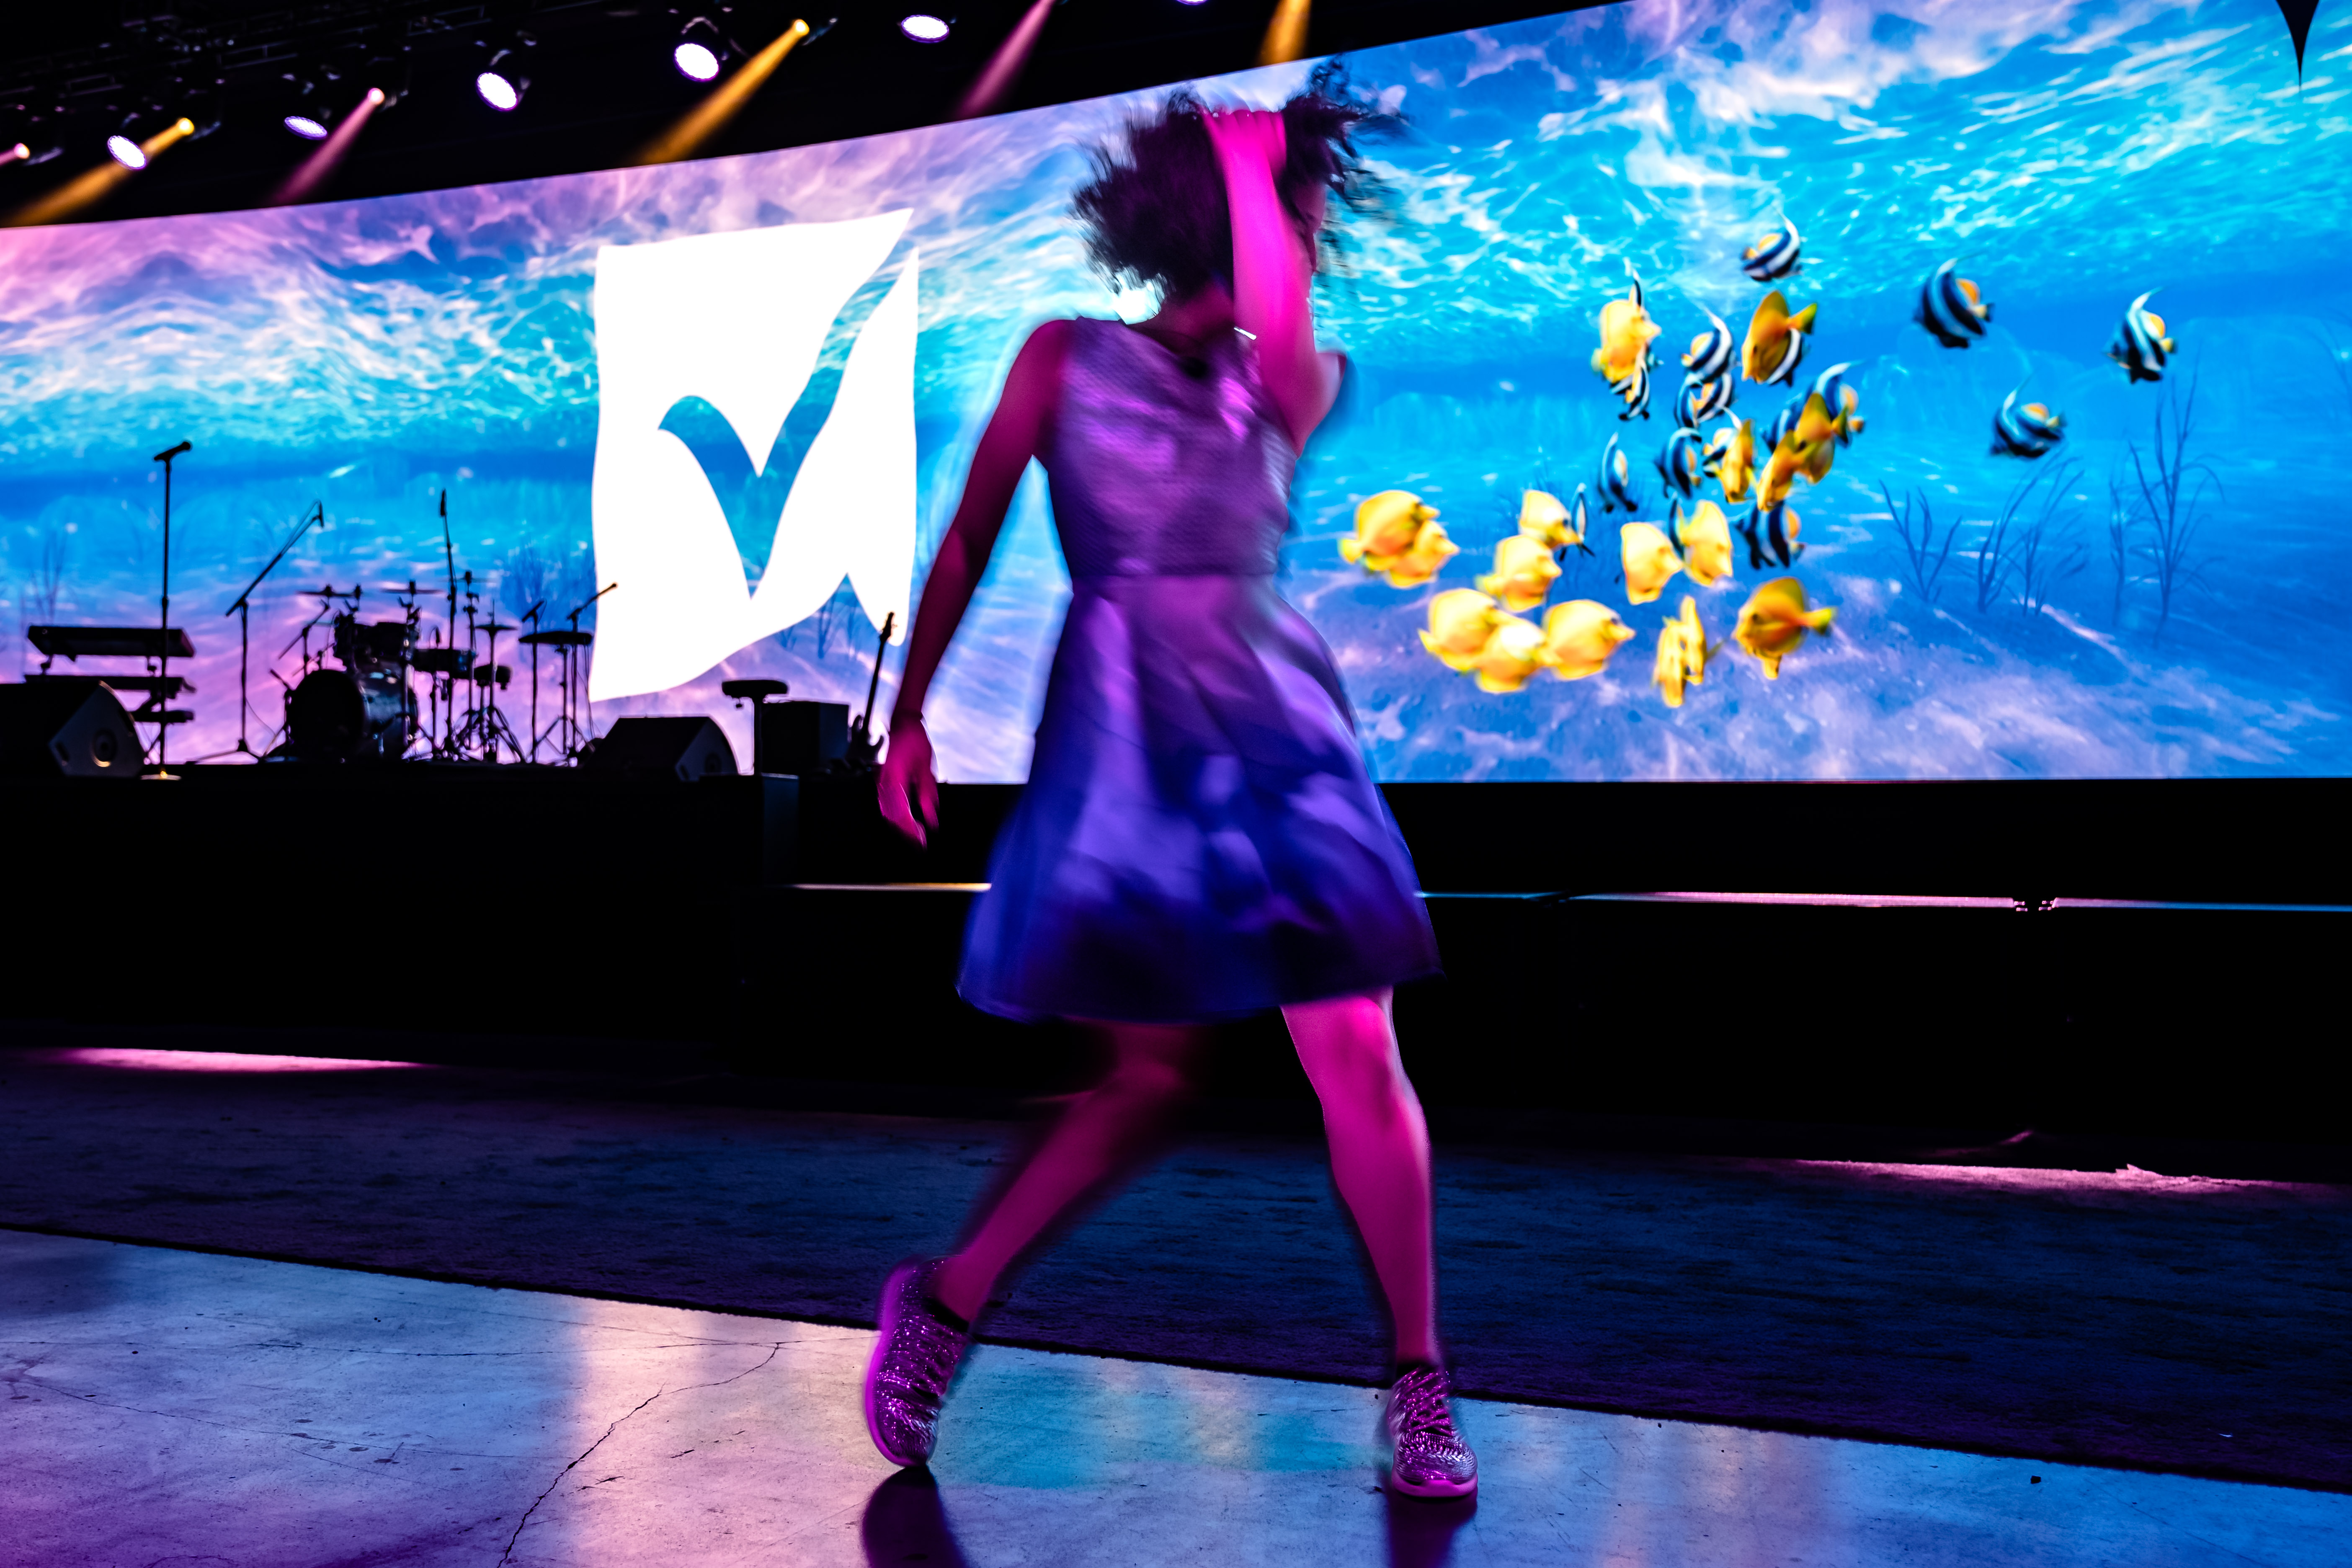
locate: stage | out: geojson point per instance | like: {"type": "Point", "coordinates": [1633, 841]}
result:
{"type": "Point", "coordinates": [1925, 953]}
{"type": "Point", "coordinates": [166, 1406]}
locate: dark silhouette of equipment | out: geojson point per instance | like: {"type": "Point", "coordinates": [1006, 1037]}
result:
{"type": "Point", "coordinates": [152, 645]}
{"type": "Point", "coordinates": [243, 611]}
{"type": "Point", "coordinates": [68, 725]}
{"type": "Point", "coordinates": [688, 749]}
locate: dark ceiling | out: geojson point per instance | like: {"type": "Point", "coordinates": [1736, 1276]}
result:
{"type": "Point", "coordinates": [602, 81]}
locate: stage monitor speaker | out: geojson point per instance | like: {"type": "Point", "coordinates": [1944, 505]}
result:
{"type": "Point", "coordinates": [680, 748]}
{"type": "Point", "coordinates": [68, 725]}
{"type": "Point", "coordinates": [799, 737]}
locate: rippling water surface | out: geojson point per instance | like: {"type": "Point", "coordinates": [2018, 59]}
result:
{"type": "Point", "coordinates": [372, 353]}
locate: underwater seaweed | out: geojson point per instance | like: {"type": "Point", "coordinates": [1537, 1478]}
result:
{"type": "Point", "coordinates": [38, 605]}
{"type": "Point", "coordinates": [2119, 544]}
{"type": "Point", "coordinates": [1994, 562]}
{"type": "Point", "coordinates": [1926, 559]}
{"type": "Point", "coordinates": [2172, 502]}
{"type": "Point", "coordinates": [2036, 570]}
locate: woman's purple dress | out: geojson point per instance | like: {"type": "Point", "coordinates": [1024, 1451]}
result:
{"type": "Point", "coordinates": [1199, 839]}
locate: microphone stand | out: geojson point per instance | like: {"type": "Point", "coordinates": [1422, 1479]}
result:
{"type": "Point", "coordinates": [242, 610]}
{"type": "Point", "coordinates": [163, 630]}
{"type": "Point", "coordinates": [574, 745]}
{"type": "Point", "coordinates": [531, 616]}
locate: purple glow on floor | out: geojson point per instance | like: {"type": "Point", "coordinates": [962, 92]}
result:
{"type": "Point", "coordinates": [208, 1061]}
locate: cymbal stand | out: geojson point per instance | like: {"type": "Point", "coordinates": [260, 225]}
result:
{"type": "Point", "coordinates": [575, 736]}
{"type": "Point", "coordinates": [243, 611]}
{"type": "Point", "coordinates": [531, 616]}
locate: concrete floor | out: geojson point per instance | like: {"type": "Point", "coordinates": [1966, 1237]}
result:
{"type": "Point", "coordinates": [178, 1407]}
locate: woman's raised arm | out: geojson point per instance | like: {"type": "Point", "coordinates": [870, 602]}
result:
{"type": "Point", "coordinates": [1016, 432]}
{"type": "Point", "coordinates": [1272, 269]}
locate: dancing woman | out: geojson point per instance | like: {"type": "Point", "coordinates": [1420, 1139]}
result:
{"type": "Point", "coordinates": [1199, 839]}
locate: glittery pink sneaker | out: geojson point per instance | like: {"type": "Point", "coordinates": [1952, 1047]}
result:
{"type": "Point", "coordinates": [1429, 1457]}
{"type": "Point", "coordinates": [915, 1357]}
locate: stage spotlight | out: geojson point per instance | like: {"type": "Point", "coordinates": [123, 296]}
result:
{"type": "Point", "coordinates": [923, 29]}
{"type": "Point", "coordinates": [315, 169]}
{"type": "Point", "coordinates": [303, 125]}
{"type": "Point", "coordinates": [125, 157]}
{"type": "Point", "coordinates": [700, 49]}
{"type": "Point", "coordinates": [995, 84]}
{"type": "Point", "coordinates": [1285, 34]}
{"type": "Point", "coordinates": [702, 122]}
{"type": "Point", "coordinates": [500, 85]}
{"type": "Point", "coordinates": [13, 154]}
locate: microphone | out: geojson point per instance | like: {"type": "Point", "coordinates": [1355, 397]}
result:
{"type": "Point", "coordinates": [167, 457]}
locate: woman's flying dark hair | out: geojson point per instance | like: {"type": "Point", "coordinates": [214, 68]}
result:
{"type": "Point", "coordinates": [1155, 211]}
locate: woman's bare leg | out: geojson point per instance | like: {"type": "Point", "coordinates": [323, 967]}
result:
{"type": "Point", "coordinates": [1379, 1152]}
{"type": "Point", "coordinates": [1103, 1135]}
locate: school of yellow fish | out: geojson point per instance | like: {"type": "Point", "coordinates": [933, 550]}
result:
{"type": "Point", "coordinates": [1484, 632]}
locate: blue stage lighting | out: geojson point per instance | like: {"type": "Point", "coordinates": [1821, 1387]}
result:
{"type": "Point", "coordinates": [126, 152]}
{"type": "Point", "coordinates": [923, 27]}
{"type": "Point", "coordinates": [303, 125]}
{"type": "Point", "coordinates": [695, 61]}
{"type": "Point", "coordinates": [500, 86]}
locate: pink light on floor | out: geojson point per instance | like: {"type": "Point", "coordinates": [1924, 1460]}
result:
{"type": "Point", "coordinates": [208, 1061]}
{"type": "Point", "coordinates": [2125, 1181]}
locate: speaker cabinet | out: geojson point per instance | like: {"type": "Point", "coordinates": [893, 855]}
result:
{"type": "Point", "coordinates": [68, 725]}
{"type": "Point", "coordinates": [799, 737]}
{"type": "Point", "coordinates": [650, 748]}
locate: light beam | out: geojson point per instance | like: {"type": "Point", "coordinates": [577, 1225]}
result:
{"type": "Point", "coordinates": [10, 154]}
{"type": "Point", "coordinates": [93, 186]}
{"type": "Point", "coordinates": [710, 116]}
{"type": "Point", "coordinates": [1286, 36]}
{"type": "Point", "coordinates": [315, 168]}
{"type": "Point", "coordinates": [994, 85]}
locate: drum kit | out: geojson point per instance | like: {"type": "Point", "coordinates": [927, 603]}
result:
{"type": "Point", "coordinates": [363, 707]}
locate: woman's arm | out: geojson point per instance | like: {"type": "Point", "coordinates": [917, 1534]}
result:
{"type": "Point", "coordinates": [1272, 270]}
{"type": "Point", "coordinates": [1015, 433]}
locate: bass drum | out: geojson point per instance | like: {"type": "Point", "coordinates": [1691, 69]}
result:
{"type": "Point", "coordinates": [338, 716]}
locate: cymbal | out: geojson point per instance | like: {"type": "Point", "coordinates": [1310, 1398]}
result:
{"type": "Point", "coordinates": [560, 637]}
{"type": "Point", "coordinates": [493, 626]}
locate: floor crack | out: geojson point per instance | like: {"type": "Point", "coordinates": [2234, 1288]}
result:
{"type": "Point", "coordinates": [507, 1556]}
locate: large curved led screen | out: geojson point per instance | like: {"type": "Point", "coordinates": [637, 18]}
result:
{"type": "Point", "coordinates": [1949, 392]}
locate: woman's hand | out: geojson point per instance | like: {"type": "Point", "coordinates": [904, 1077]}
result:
{"type": "Point", "coordinates": [1237, 135]}
{"type": "Point", "coordinates": [909, 792]}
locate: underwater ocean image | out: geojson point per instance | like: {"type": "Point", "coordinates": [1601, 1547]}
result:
{"type": "Point", "coordinates": [2166, 591]}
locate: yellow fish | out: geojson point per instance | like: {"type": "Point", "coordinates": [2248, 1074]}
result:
{"type": "Point", "coordinates": [1731, 458]}
{"type": "Point", "coordinates": [1524, 573]}
{"type": "Point", "coordinates": [1706, 539]}
{"type": "Point", "coordinates": [1650, 559]}
{"type": "Point", "coordinates": [1398, 536]}
{"type": "Point", "coordinates": [1780, 475]}
{"type": "Point", "coordinates": [1431, 549]}
{"type": "Point", "coordinates": [1386, 525]}
{"type": "Point", "coordinates": [1460, 622]}
{"type": "Point", "coordinates": [1512, 654]}
{"type": "Point", "coordinates": [1775, 620]}
{"type": "Point", "coordinates": [1776, 340]}
{"type": "Point", "coordinates": [1580, 635]}
{"type": "Point", "coordinates": [1626, 333]}
{"type": "Point", "coordinates": [1814, 442]}
{"type": "Point", "coordinates": [1682, 654]}
{"type": "Point", "coordinates": [1542, 517]}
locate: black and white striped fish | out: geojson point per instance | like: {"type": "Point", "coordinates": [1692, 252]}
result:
{"type": "Point", "coordinates": [1771, 535]}
{"type": "Point", "coordinates": [1711, 351]}
{"type": "Point", "coordinates": [1774, 257]}
{"type": "Point", "coordinates": [1682, 462]}
{"type": "Point", "coordinates": [1951, 309]}
{"type": "Point", "coordinates": [2140, 345]}
{"type": "Point", "coordinates": [1615, 481]}
{"type": "Point", "coordinates": [2026, 430]}
{"type": "Point", "coordinates": [1701, 401]}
